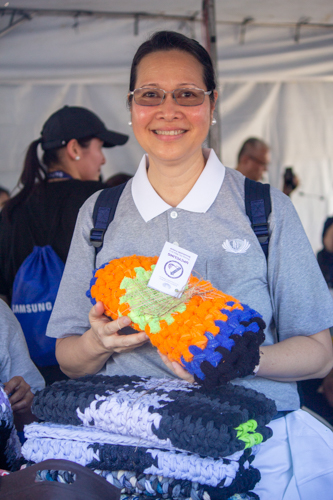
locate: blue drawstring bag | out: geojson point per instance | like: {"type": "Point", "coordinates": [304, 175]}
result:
{"type": "Point", "coordinates": [34, 292]}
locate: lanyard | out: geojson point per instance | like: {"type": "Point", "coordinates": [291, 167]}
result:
{"type": "Point", "coordinates": [58, 174]}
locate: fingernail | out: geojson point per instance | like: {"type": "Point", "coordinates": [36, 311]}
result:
{"type": "Point", "coordinates": [125, 320]}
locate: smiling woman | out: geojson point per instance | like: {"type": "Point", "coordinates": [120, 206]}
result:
{"type": "Point", "coordinates": [183, 194]}
{"type": "Point", "coordinates": [172, 126]}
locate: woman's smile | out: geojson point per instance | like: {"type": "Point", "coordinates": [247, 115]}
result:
{"type": "Point", "coordinates": [169, 133]}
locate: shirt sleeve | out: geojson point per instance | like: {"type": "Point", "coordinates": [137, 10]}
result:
{"type": "Point", "coordinates": [302, 304]}
{"type": "Point", "coordinates": [15, 357]}
{"type": "Point", "coordinates": [72, 306]}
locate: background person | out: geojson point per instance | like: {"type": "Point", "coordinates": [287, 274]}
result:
{"type": "Point", "coordinates": [52, 191]}
{"type": "Point", "coordinates": [317, 394]}
{"type": "Point", "coordinates": [325, 256]}
{"type": "Point", "coordinates": [17, 372]}
{"type": "Point", "coordinates": [182, 193]}
{"type": "Point", "coordinates": [253, 158]}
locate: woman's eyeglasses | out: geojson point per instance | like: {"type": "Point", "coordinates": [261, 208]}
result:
{"type": "Point", "coordinates": [146, 96]}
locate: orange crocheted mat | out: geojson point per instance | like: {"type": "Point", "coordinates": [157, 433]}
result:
{"type": "Point", "coordinates": [188, 329]}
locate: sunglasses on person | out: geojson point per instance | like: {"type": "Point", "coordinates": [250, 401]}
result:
{"type": "Point", "coordinates": [146, 96]}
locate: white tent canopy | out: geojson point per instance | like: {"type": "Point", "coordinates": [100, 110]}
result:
{"type": "Point", "coordinates": [271, 86]}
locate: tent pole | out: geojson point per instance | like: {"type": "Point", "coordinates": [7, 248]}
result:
{"type": "Point", "coordinates": [209, 23]}
{"type": "Point", "coordinates": [12, 23]}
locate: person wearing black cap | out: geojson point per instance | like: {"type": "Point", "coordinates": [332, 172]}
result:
{"type": "Point", "coordinates": [45, 209]}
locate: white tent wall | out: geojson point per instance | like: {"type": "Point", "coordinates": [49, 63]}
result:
{"type": "Point", "coordinates": [296, 120]}
{"type": "Point", "coordinates": [270, 87]}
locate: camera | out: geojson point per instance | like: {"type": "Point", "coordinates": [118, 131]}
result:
{"type": "Point", "coordinates": [289, 178]}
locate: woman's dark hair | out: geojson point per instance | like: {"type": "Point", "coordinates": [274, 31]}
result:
{"type": "Point", "coordinates": [117, 179]}
{"type": "Point", "coordinates": [163, 41]}
{"type": "Point", "coordinates": [34, 173]}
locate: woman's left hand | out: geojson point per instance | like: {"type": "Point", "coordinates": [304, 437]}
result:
{"type": "Point", "coordinates": [177, 369]}
{"type": "Point", "coordinates": [20, 394]}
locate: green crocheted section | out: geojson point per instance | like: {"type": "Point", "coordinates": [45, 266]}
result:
{"type": "Point", "coordinates": [148, 306]}
{"type": "Point", "coordinates": [246, 432]}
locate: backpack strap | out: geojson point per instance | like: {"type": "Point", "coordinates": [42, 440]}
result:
{"type": "Point", "coordinates": [258, 207]}
{"type": "Point", "coordinates": [103, 214]}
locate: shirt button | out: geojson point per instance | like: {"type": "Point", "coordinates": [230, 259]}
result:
{"type": "Point", "coordinates": [174, 215]}
{"type": "Point", "coordinates": [176, 243]}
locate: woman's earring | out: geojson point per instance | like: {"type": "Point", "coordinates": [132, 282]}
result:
{"type": "Point", "coordinates": [77, 157]}
{"type": "Point", "coordinates": [213, 121]}
{"type": "Point", "coordinates": [130, 123]}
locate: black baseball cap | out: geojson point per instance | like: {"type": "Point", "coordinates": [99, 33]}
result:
{"type": "Point", "coordinates": [73, 122]}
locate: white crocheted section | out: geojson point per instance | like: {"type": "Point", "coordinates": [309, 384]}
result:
{"type": "Point", "coordinates": [170, 464]}
{"type": "Point", "coordinates": [200, 470]}
{"type": "Point", "coordinates": [126, 399]}
{"type": "Point", "coordinates": [38, 450]}
{"type": "Point", "coordinates": [89, 435]}
{"type": "Point", "coordinates": [125, 413]}
{"type": "Point", "coordinates": [168, 384]}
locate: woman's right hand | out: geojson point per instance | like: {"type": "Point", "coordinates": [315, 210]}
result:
{"type": "Point", "coordinates": [106, 333]}
{"type": "Point", "coordinates": [80, 355]}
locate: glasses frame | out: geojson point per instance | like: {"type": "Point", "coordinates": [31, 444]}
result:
{"type": "Point", "coordinates": [206, 92]}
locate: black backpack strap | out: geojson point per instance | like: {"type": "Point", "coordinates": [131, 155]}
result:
{"type": "Point", "coordinates": [258, 207]}
{"type": "Point", "coordinates": [103, 214]}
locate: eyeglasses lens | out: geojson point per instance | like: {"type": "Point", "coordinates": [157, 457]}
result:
{"type": "Point", "coordinates": [183, 97]}
{"type": "Point", "coordinates": [189, 97]}
{"type": "Point", "coordinates": [148, 97]}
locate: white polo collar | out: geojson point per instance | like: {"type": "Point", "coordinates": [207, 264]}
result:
{"type": "Point", "coordinates": [199, 199]}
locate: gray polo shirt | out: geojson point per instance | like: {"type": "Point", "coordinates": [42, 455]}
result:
{"type": "Point", "coordinates": [288, 291]}
{"type": "Point", "coordinates": [14, 355]}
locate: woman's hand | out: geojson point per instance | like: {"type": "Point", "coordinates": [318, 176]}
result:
{"type": "Point", "coordinates": [177, 369]}
{"type": "Point", "coordinates": [20, 394]}
{"type": "Point", "coordinates": [80, 355]}
{"type": "Point", "coordinates": [105, 332]}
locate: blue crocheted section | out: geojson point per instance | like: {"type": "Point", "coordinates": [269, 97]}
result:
{"type": "Point", "coordinates": [233, 326]}
{"type": "Point", "coordinates": [92, 282]}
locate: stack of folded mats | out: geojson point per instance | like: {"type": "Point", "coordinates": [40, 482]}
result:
{"type": "Point", "coordinates": [10, 448]}
{"type": "Point", "coordinates": [153, 437]}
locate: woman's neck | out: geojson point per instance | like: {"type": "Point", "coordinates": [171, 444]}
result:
{"type": "Point", "coordinates": [64, 168]}
{"type": "Point", "coordinates": [173, 182]}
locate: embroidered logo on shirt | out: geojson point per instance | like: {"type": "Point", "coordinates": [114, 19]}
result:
{"type": "Point", "coordinates": [236, 246]}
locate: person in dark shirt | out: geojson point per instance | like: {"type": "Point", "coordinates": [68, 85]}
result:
{"type": "Point", "coordinates": [45, 209]}
{"type": "Point", "coordinates": [317, 394]}
{"type": "Point", "coordinates": [325, 256]}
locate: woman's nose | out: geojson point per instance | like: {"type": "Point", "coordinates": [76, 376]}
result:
{"type": "Point", "coordinates": [169, 106]}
